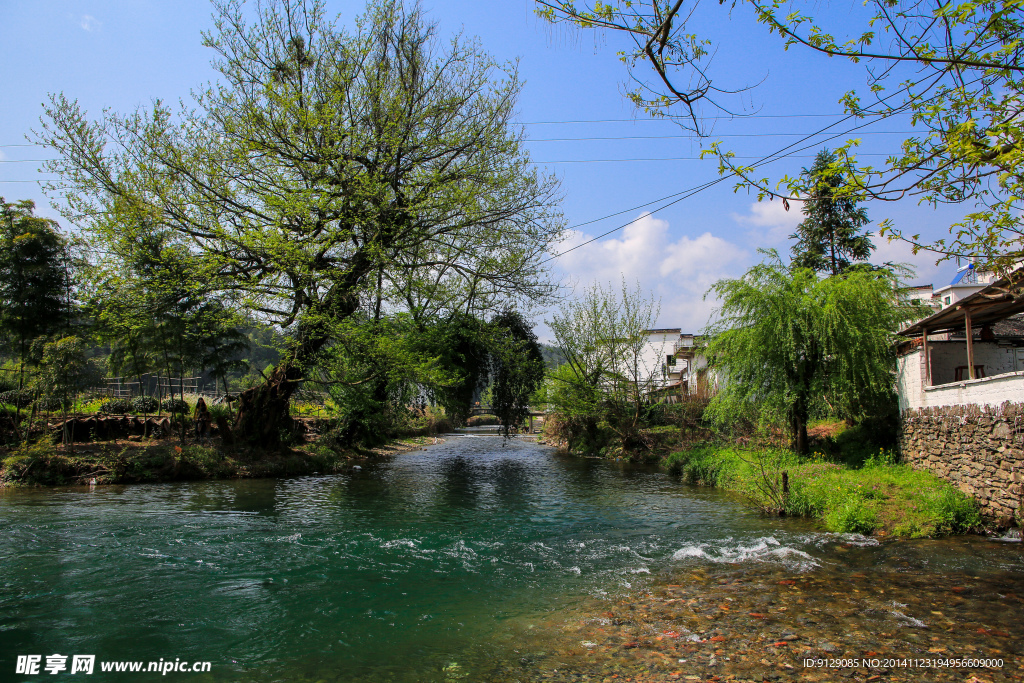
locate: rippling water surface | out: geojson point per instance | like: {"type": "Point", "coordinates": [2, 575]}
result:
{"type": "Point", "coordinates": [426, 566]}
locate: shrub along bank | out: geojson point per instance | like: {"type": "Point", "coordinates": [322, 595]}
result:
{"type": "Point", "coordinates": [44, 463]}
{"type": "Point", "coordinates": [876, 495]}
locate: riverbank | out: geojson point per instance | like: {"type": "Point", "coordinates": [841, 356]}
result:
{"type": "Point", "coordinates": [875, 496]}
{"type": "Point", "coordinates": [848, 484]}
{"type": "Point", "coordinates": [161, 460]}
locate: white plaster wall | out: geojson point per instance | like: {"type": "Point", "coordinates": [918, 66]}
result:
{"type": "Point", "coordinates": [909, 380]}
{"type": "Point", "coordinates": [992, 391]}
{"type": "Point", "coordinates": [653, 357]}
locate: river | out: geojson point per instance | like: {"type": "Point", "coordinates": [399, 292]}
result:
{"type": "Point", "coordinates": [474, 559]}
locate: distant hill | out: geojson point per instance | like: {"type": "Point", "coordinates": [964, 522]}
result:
{"type": "Point", "coordinates": [553, 356]}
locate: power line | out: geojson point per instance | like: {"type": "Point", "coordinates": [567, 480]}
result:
{"type": "Point", "coordinates": [578, 161]}
{"type": "Point", "coordinates": [598, 161]}
{"type": "Point", "coordinates": [611, 137]}
{"type": "Point", "coordinates": [666, 120]}
{"type": "Point", "coordinates": [686, 194]}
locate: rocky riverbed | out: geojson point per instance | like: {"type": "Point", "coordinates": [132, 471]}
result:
{"type": "Point", "coordinates": [767, 623]}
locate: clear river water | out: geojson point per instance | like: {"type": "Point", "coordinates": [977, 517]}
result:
{"type": "Point", "coordinates": [460, 561]}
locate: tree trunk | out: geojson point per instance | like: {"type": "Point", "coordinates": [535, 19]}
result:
{"type": "Point", "coordinates": [800, 442]}
{"type": "Point", "coordinates": [798, 428]}
{"type": "Point", "coordinates": [263, 415]}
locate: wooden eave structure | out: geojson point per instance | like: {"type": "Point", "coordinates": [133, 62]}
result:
{"type": "Point", "coordinates": [989, 305]}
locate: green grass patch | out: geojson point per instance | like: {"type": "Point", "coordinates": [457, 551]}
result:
{"type": "Point", "coordinates": [878, 496]}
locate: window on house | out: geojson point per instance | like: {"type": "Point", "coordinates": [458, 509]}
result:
{"type": "Point", "coordinates": [670, 361]}
{"type": "Point", "coordinates": [947, 301]}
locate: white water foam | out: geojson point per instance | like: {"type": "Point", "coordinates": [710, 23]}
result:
{"type": "Point", "coordinates": [764, 549]}
{"type": "Point", "coordinates": [821, 540]}
{"type": "Point", "coordinates": [906, 620]}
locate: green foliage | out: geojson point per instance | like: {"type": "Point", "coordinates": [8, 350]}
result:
{"type": "Point", "coordinates": [144, 404]}
{"type": "Point", "coordinates": [703, 464]}
{"type": "Point", "coordinates": [18, 399]}
{"type": "Point", "coordinates": [176, 406]}
{"type": "Point", "coordinates": [605, 379]}
{"type": "Point", "coordinates": [324, 177]}
{"type": "Point", "coordinates": [380, 367]}
{"type": "Point", "coordinates": [516, 368]}
{"type": "Point", "coordinates": [373, 373]}
{"type": "Point", "coordinates": [116, 406]}
{"type": "Point", "coordinates": [459, 345]}
{"type": "Point", "coordinates": [829, 238]}
{"type": "Point", "coordinates": [24, 457]}
{"type": "Point", "coordinates": [953, 69]}
{"type": "Point", "coordinates": [65, 371]}
{"type": "Point", "coordinates": [54, 404]}
{"type": "Point", "coordinates": [35, 279]}
{"type": "Point", "coordinates": [851, 516]}
{"type": "Point", "coordinates": [790, 345]}
{"type": "Point", "coordinates": [878, 496]}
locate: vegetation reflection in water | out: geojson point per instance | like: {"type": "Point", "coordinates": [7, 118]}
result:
{"type": "Point", "coordinates": [435, 565]}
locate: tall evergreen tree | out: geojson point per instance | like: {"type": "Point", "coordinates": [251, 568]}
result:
{"type": "Point", "coordinates": [829, 238]}
{"type": "Point", "coordinates": [34, 278]}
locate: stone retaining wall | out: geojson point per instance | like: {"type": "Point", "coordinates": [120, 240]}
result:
{"type": "Point", "coordinates": [980, 449]}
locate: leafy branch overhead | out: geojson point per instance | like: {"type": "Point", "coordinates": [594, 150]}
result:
{"type": "Point", "coordinates": [953, 70]}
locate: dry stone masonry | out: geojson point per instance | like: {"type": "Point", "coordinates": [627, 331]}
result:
{"type": "Point", "coordinates": [980, 449]}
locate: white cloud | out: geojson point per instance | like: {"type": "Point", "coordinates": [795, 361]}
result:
{"type": "Point", "coordinates": [923, 262]}
{"type": "Point", "coordinates": [677, 270]}
{"type": "Point", "coordinates": [770, 222]}
{"type": "Point", "coordinates": [90, 23]}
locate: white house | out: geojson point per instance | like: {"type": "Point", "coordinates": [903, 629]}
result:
{"type": "Point", "coordinates": [970, 351]}
{"type": "Point", "coordinates": [674, 361]}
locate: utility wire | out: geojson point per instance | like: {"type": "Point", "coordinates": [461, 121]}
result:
{"type": "Point", "coordinates": [597, 161]}
{"type": "Point", "coordinates": [731, 135]}
{"type": "Point", "coordinates": [612, 137]}
{"type": "Point", "coordinates": [686, 194]}
{"type": "Point", "coordinates": [666, 120]}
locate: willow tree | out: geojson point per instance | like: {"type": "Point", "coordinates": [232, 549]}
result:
{"type": "Point", "coordinates": [788, 344]}
{"type": "Point", "coordinates": [325, 170]}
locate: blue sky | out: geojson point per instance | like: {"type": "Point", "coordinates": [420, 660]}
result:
{"type": "Point", "coordinates": [124, 54]}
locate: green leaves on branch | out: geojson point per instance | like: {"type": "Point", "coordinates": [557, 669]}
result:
{"type": "Point", "coordinates": [954, 71]}
{"type": "Point", "coordinates": [379, 368]}
{"type": "Point", "coordinates": [606, 379]}
{"type": "Point", "coordinates": [829, 238]}
{"type": "Point", "coordinates": [35, 279]}
{"type": "Point", "coordinates": [324, 174]}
